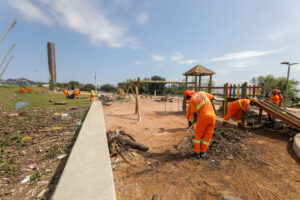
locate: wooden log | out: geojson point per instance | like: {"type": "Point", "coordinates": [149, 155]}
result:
{"type": "Point", "coordinates": [131, 143]}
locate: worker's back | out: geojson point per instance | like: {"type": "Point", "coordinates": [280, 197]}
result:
{"type": "Point", "coordinates": [241, 104]}
{"type": "Point", "coordinates": [201, 103]}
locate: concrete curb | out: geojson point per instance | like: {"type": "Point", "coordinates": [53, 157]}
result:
{"type": "Point", "coordinates": [296, 145]}
{"type": "Point", "coordinates": [88, 173]}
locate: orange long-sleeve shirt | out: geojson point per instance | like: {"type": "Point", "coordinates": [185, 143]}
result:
{"type": "Point", "coordinates": [275, 99]}
{"type": "Point", "coordinates": [201, 104]}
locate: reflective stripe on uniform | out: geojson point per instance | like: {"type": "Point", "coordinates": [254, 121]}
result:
{"type": "Point", "coordinates": [240, 101]}
{"type": "Point", "coordinates": [239, 121]}
{"type": "Point", "coordinates": [207, 143]}
{"type": "Point", "coordinates": [225, 120]}
{"type": "Point", "coordinates": [202, 103]}
{"type": "Point", "coordinates": [197, 141]}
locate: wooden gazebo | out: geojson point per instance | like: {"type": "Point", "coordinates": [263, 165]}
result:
{"type": "Point", "coordinates": [200, 71]}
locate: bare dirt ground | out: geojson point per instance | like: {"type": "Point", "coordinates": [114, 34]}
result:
{"type": "Point", "coordinates": [251, 164]}
{"type": "Point", "coordinates": [34, 147]}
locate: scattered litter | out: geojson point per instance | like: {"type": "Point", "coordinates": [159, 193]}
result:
{"type": "Point", "coordinates": [20, 105]}
{"type": "Point", "coordinates": [62, 156]}
{"type": "Point", "coordinates": [25, 180]}
{"type": "Point", "coordinates": [229, 157]}
{"type": "Point", "coordinates": [26, 138]}
{"type": "Point", "coordinates": [48, 170]}
{"type": "Point", "coordinates": [13, 114]}
{"type": "Point", "coordinates": [64, 115]}
{"type": "Point", "coordinates": [56, 114]}
{"type": "Point", "coordinates": [57, 127]}
{"type": "Point", "coordinates": [42, 194]}
{"type": "Point", "coordinates": [79, 124]}
{"type": "Point", "coordinates": [32, 166]}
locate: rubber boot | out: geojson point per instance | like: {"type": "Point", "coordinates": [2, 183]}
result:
{"type": "Point", "coordinates": [197, 155]}
{"type": "Point", "coordinates": [202, 154]}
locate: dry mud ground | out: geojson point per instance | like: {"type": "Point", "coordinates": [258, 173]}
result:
{"type": "Point", "coordinates": [261, 165]}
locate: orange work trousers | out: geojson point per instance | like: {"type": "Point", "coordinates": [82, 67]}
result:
{"type": "Point", "coordinates": [204, 130]}
{"type": "Point", "coordinates": [237, 114]}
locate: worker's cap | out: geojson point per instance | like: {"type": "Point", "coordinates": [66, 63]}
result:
{"type": "Point", "coordinates": [188, 93]}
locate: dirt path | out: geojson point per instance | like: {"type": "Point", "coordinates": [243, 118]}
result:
{"type": "Point", "coordinates": [268, 169]}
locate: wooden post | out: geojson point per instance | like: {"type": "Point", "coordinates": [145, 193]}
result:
{"type": "Point", "coordinates": [137, 103]}
{"type": "Point", "coordinates": [186, 87]}
{"type": "Point", "coordinates": [137, 87]}
{"type": "Point", "coordinates": [244, 97]}
{"type": "Point", "coordinates": [155, 93]}
{"type": "Point", "coordinates": [200, 83]}
{"type": "Point", "coordinates": [195, 82]}
{"type": "Point", "coordinates": [226, 100]}
{"type": "Point", "coordinates": [245, 90]}
{"type": "Point", "coordinates": [262, 96]}
{"type": "Point", "coordinates": [210, 83]}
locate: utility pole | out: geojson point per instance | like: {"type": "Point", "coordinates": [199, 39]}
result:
{"type": "Point", "coordinates": [95, 83]}
{"type": "Point", "coordinates": [287, 81]}
{"type": "Point", "coordinates": [10, 27]}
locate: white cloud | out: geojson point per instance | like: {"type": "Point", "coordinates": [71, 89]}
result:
{"type": "Point", "coordinates": [177, 56]}
{"type": "Point", "coordinates": [142, 18]}
{"type": "Point", "coordinates": [158, 58]}
{"type": "Point", "coordinates": [138, 63]}
{"type": "Point", "coordinates": [187, 61]}
{"type": "Point", "coordinates": [84, 17]}
{"type": "Point", "coordinates": [241, 64]}
{"type": "Point", "coordinates": [30, 11]}
{"type": "Point", "coordinates": [245, 54]}
{"type": "Point", "coordinates": [275, 36]}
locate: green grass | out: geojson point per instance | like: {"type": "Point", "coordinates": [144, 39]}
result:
{"type": "Point", "coordinates": [38, 99]}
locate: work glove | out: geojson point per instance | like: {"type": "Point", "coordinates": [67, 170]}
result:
{"type": "Point", "coordinates": [195, 120]}
{"type": "Point", "coordinates": [244, 116]}
{"type": "Point", "coordinates": [190, 123]}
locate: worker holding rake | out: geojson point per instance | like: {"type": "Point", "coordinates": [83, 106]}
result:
{"type": "Point", "coordinates": [205, 117]}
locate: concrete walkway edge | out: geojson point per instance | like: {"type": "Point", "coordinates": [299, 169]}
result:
{"type": "Point", "coordinates": [88, 173]}
{"type": "Point", "coordinates": [296, 145]}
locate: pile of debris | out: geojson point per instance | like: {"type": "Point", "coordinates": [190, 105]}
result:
{"type": "Point", "coordinates": [120, 143]}
{"type": "Point", "coordinates": [105, 99]}
{"type": "Point", "coordinates": [225, 144]}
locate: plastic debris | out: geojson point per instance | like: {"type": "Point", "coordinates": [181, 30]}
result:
{"type": "Point", "coordinates": [32, 166]}
{"type": "Point", "coordinates": [20, 105]}
{"type": "Point", "coordinates": [62, 156]}
{"type": "Point", "coordinates": [26, 138]}
{"type": "Point", "coordinates": [57, 127]}
{"type": "Point", "coordinates": [64, 115]}
{"type": "Point", "coordinates": [79, 124]}
{"type": "Point", "coordinates": [25, 180]}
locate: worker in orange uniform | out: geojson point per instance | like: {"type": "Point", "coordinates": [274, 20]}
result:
{"type": "Point", "coordinates": [18, 90]}
{"type": "Point", "coordinates": [280, 98]}
{"type": "Point", "coordinates": [30, 90]}
{"type": "Point", "coordinates": [77, 92]}
{"type": "Point", "coordinates": [22, 90]}
{"type": "Point", "coordinates": [204, 115]}
{"type": "Point", "coordinates": [189, 114]}
{"type": "Point", "coordinates": [66, 92]}
{"type": "Point", "coordinates": [93, 96]}
{"type": "Point", "coordinates": [238, 110]}
{"type": "Point", "coordinates": [274, 99]}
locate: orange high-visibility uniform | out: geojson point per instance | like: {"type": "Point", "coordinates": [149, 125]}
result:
{"type": "Point", "coordinates": [235, 109]}
{"type": "Point", "coordinates": [274, 99]}
{"type": "Point", "coordinates": [201, 104]}
{"type": "Point", "coordinates": [66, 92]}
{"type": "Point", "coordinates": [22, 90]}
{"type": "Point", "coordinates": [280, 99]}
{"type": "Point", "coordinates": [18, 90]}
{"type": "Point", "coordinates": [77, 92]}
{"type": "Point", "coordinates": [30, 90]}
{"type": "Point", "coordinates": [189, 114]}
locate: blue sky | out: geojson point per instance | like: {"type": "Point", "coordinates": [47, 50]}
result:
{"type": "Point", "coordinates": [121, 39]}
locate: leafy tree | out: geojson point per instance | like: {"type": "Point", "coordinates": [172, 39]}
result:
{"type": "Point", "coordinates": [279, 83]}
{"type": "Point", "coordinates": [74, 84]}
{"type": "Point", "coordinates": [160, 88]}
{"type": "Point", "coordinates": [88, 87]}
{"type": "Point", "coordinates": [108, 88]}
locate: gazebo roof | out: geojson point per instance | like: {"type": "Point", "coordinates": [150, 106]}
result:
{"type": "Point", "coordinates": [199, 70]}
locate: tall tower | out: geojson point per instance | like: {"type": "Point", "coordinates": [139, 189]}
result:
{"type": "Point", "coordinates": [51, 64]}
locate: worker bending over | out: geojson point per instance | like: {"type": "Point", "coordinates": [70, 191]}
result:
{"type": "Point", "coordinates": [204, 115]}
{"type": "Point", "coordinates": [238, 110]}
{"type": "Point", "coordinates": [77, 92]}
